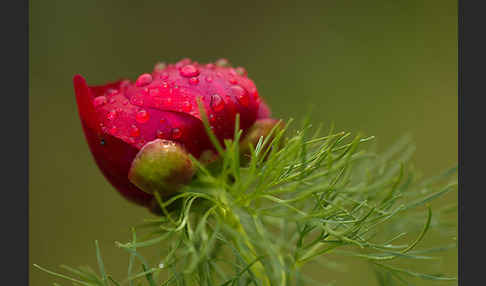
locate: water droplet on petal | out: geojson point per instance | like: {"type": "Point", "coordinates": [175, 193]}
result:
{"type": "Point", "coordinates": [134, 131]}
{"type": "Point", "coordinates": [160, 134]}
{"type": "Point", "coordinates": [182, 63]}
{"type": "Point", "coordinates": [193, 80]}
{"type": "Point", "coordinates": [209, 79]}
{"type": "Point", "coordinates": [176, 133]}
{"type": "Point", "coordinates": [111, 91]}
{"type": "Point", "coordinates": [241, 95]}
{"type": "Point", "coordinates": [154, 92]}
{"type": "Point", "coordinates": [113, 130]}
{"type": "Point", "coordinates": [99, 101]}
{"type": "Point", "coordinates": [111, 115]}
{"type": "Point", "coordinates": [144, 79]}
{"type": "Point", "coordinates": [217, 103]}
{"type": "Point", "coordinates": [137, 100]}
{"type": "Point", "coordinates": [222, 62]}
{"type": "Point", "coordinates": [186, 106]}
{"type": "Point", "coordinates": [160, 66]}
{"type": "Point", "coordinates": [142, 116]}
{"type": "Point", "coordinates": [189, 71]}
{"type": "Point", "coordinates": [241, 71]}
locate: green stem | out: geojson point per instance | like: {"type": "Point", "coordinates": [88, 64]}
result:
{"type": "Point", "coordinates": [249, 256]}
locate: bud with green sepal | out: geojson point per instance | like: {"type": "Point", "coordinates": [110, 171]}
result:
{"type": "Point", "coordinates": [161, 166]}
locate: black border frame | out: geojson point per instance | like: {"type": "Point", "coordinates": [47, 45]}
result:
{"type": "Point", "coordinates": [471, 62]}
{"type": "Point", "coordinates": [15, 134]}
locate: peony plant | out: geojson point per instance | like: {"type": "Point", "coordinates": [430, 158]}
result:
{"type": "Point", "coordinates": [240, 198]}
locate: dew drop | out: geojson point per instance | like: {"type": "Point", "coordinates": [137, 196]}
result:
{"type": "Point", "coordinates": [154, 92]}
{"type": "Point", "coordinates": [168, 100]}
{"type": "Point", "coordinates": [222, 62]}
{"type": "Point", "coordinates": [99, 101]}
{"type": "Point", "coordinates": [111, 91]}
{"type": "Point", "coordinates": [176, 133]}
{"type": "Point", "coordinates": [160, 66]}
{"type": "Point", "coordinates": [186, 106]}
{"type": "Point", "coordinates": [183, 62]}
{"type": "Point", "coordinates": [144, 79]}
{"type": "Point", "coordinates": [217, 103]}
{"type": "Point", "coordinates": [189, 71]}
{"type": "Point", "coordinates": [113, 130]}
{"type": "Point", "coordinates": [209, 79]}
{"type": "Point", "coordinates": [194, 80]}
{"type": "Point", "coordinates": [124, 84]}
{"type": "Point", "coordinates": [134, 131]}
{"type": "Point", "coordinates": [241, 71]}
{"type": "Point", "coordinates": [111, 115]}
{"type": "Point", "coordinates": [241, 95]}
{"type": "Point", "coordinates": [102, 142]}
{"type": "Point", "coordinates": [138, 99]}
{"type": "Point", "coordinates": [142, 116]}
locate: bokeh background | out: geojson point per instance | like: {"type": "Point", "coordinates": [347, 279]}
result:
{"type": "Point", "coordinates": [384, 68]}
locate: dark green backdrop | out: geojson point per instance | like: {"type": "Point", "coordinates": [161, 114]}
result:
{"type": "Point", "coordinates": [381, 67]}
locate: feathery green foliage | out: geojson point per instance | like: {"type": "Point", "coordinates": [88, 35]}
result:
{"type": "Point", "coordinates": [299, 199]}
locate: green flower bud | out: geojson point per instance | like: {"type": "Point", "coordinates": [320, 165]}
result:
{"type": "Point", "coordinates": [161, 166]}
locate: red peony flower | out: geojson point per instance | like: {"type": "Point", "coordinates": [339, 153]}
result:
{"type": "Point", "coordinates": [120, 118]}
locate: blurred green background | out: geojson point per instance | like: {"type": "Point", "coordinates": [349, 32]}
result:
{"type": "Point", "coordinates": [381, 67]}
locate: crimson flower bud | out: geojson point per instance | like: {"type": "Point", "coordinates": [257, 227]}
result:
{"type": "Point", "coordinates": [120, 118]}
